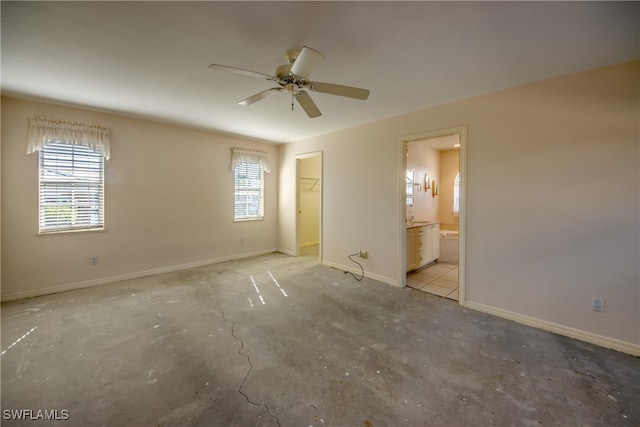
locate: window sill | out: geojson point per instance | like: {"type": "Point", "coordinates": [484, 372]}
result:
{"type": "Point", "coordinates": [248, 219]}
{"type": "Point", "coordinates": [80, 230]}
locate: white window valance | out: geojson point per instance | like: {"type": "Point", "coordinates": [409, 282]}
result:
{"type": "Point", "coordinates": [43, 131]}
{"type": "Point", "coordinates": [243, 155]}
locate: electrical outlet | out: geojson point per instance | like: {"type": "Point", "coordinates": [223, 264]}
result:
{"type": "Point", "coordinates": [597, 304]}
{"type": "Point", "coordinates": [93, 260]}
{"type": "Point", "coordinates": [363, 254]}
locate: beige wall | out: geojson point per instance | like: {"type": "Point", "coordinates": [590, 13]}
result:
{"type": "Point", "coordinates": [552, 207]}
{"type": "Point", "coordinates": [449, 168]}
{"type": "Point", "coordinates": [168, 202]}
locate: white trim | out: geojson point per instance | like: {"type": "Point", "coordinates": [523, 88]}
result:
{"type": "Point", "coordinates": [401, 218]}
{"type": "Point", "coordinates": [401, 197]}
{"type": "Point", "coordinates": [308, 155]}
{"type": "Point", "coordinates": [579, 334]}
{"type": "Point", "coordinates": [462, 218]}
{"type": "Point", "coordinates": [113, 279]}
{"type": "Point", "coordinates": [358, 272]}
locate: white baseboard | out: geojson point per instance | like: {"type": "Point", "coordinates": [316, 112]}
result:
{"type": "Point", "coordinates": [601, 340]}
{"type": "Point", "coordinates": [135, 275]}
{"type": "Point", "coordinates": [287, 252]}
{"type": "Point", "coordinates": [304, 245]}
{"type": "Point", "coordinates": [358, 272]}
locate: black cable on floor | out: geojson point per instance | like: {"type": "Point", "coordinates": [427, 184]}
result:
{"type": "Point", "coordinates": [361, 268]}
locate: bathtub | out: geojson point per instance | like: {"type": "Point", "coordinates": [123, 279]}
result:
{"type": "Point", "coordinates": [448, 234]}
{"type": "Point", "coordinates": [448, 246]}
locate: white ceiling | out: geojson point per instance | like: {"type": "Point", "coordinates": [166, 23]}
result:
{"type": "Point", "coordinates": [149, 59]}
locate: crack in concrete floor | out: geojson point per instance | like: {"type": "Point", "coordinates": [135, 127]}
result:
{"type": "Point", "coordinates": [244, 380]}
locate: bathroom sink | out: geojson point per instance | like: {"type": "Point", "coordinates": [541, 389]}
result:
{"type": "Point", "coordinates": [420, 223]}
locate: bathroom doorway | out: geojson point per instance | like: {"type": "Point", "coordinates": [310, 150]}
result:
{"type": "Point", "coordinates": [433, 212]}
{"type": "Point", "coordinates": [309, 205]}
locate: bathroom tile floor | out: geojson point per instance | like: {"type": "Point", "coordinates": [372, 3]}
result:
{"type": "Point", "coordinates": [440, 278]}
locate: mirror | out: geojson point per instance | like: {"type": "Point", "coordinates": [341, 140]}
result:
{"type": "Point", "coordinates": [409, 187]}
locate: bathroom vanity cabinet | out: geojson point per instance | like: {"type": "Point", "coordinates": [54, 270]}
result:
{"type": "Point", "coordinates": [423, 244]}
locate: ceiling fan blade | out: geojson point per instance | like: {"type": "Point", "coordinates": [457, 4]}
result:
{"type": "Point", "coordinates": [307, 104]}
{"type": "Point", "coordinates": [241, 71]}
{"type": "Point", "coordinates": [333, 89]}
{"type": "Point", "coordinates": [305, 61]}
{"type": "Point", "coordinates": [258, 96]}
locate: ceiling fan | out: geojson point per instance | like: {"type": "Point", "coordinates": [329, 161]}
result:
{"type": "Point", "coordinates": [293, 77]}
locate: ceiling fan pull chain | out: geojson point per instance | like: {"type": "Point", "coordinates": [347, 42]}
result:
{"type": "Point", "coordinates": [291, 100]}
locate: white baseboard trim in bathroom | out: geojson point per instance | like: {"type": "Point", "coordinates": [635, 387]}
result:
{"type": "Point", "coordinates": [119, 278]}
{"type": "Point", "coordinates": [579, 334]}
{"type": "Point", "coordinates": [358, 272]}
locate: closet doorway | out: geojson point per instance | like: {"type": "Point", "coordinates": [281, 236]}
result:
{"type": "Point", "coordinates": [309, 205]}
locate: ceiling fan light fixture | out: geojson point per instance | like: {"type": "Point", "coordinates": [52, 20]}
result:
{"type": "Point", "coordinates": [294, 78]}
{"type": "Point", "coordinates": [292, 87]}
{"type": "Point", "coordinates": [306, 61]}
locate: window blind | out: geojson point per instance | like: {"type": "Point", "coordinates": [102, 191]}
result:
{"type": "Point", "coordinates": [71, 188]}
{"type": "Point", "coordinates": [249, 191]}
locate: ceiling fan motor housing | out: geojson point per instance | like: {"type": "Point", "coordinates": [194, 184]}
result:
{"type": "Point", "coordinates": [283, 71]}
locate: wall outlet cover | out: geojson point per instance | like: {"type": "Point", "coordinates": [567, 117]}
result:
{"type": "Point", "coordinates": [597, 304]}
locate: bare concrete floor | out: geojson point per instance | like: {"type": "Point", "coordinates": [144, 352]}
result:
{"type": "Point", "coordinates": [282, 341]}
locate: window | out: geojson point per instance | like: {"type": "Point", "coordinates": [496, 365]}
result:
{"type": "Point", "coordinates": [249, 191]}
{"type": "Point", "coordinates": [71, 187]}
{"type": "Point", "coordinates": [249, 167]}
{"type": "Point", "coordinates": [456, 195]}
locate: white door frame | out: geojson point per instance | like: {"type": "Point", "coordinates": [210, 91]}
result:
{"type": "Point", "coordinates": [402, 210]}
{"type": "Point", "coordinates": [299, 157]}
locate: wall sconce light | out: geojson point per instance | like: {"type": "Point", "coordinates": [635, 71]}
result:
{"type": "Point", "coordinates": [434, 189]}
{"type": "Point", "coordinates": [427, 182]}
